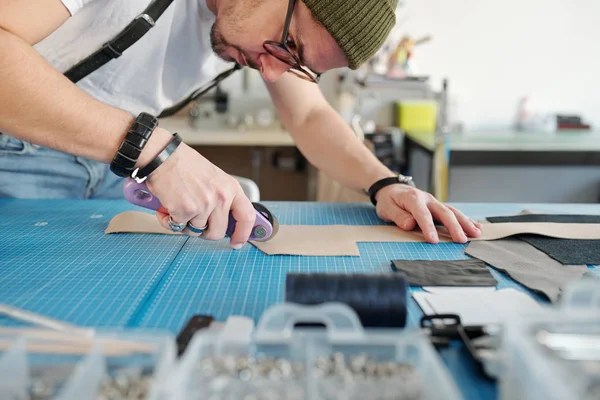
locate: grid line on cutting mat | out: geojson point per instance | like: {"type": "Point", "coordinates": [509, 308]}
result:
{"type": "Point", "coordinates": [56, 260]}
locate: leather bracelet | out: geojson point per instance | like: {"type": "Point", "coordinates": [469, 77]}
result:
{"type": "Point", "coordinates": [380, 184]}
{"type": "Point", "coordinates": [124, 161]}
{"type": "Point", "coordinates": [140, 174]}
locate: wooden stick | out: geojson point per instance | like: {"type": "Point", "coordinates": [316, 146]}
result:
{"type": "Point", "coordinates": [64, 340]}
{"type": "Point", "coordinates": [41, 320]}
{"type": "Point", "coordinates": [66, 349]}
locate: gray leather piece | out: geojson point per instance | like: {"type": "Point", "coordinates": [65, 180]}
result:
{"type": "Point", "coordinates": [565, 251]}
{"type": "Point", "coordinates": [445, 273]}
{"type": "Point", "coordinates": [527, 265]}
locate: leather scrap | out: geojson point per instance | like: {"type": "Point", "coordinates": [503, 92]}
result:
{"type": "Point", "coordinates": [341, 240]}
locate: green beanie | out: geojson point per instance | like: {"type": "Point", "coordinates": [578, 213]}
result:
{"type": "Point", "coordinates": [360, 27]}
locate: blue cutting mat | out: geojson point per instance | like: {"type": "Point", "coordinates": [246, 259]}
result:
{"type": "Point", "coordinates": [56, 260]}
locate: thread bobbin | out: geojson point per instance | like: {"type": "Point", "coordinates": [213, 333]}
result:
{"type": "Point", "coordinates": [379, 300]}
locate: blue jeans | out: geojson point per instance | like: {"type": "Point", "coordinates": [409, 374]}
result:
{"type": "Point", "coordinates": [30, 171]}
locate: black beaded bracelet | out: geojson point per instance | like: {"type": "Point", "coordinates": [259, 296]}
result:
{"type": "Point", "coordinates": [140, 174]}
{"type": "Point", "coordinates": [124, 161]}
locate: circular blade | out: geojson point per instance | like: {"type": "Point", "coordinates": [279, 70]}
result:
{"type": "Point", "coordinates": [269, 216]}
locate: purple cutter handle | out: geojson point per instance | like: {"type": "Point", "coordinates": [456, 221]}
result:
{"type": "Point", "coordinates": [140, 195]}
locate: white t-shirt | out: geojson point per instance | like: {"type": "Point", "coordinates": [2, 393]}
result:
{"type": "Point", "coordinates": [172, 60]}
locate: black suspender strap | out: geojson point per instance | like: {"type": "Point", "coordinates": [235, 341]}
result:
{"type": "Point", "coordinates": [114, 48]}
{"type": "Point", "coordinates": [131, 34]}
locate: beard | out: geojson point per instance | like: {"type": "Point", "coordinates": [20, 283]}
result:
{"type": "Point", "coordinates": [219, 44]}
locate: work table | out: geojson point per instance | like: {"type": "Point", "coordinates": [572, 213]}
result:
{"type": "Point", "coordinates": [56, 260]}
{"type": "Point", "coordinates": [227, 137]}
{"type": "Point", "coordinates": [578, 141]}
{"type": "Point", "coordinates": [560, 167]}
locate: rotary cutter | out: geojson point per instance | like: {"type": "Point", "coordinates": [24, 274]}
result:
{"type": "Point", "coordinates": [265, 226]}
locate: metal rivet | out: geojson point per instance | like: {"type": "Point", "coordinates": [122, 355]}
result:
{"type": "Point", "coordinates": [245, 375]}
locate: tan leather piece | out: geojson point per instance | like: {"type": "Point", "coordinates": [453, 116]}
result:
{"type": "Point", "coordinates": [341, 240]}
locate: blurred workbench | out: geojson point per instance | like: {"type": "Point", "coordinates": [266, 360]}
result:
{"type": "Point", "coordinates": [561, 167]}
{"type": "Point", "coordinates": [230, 137]}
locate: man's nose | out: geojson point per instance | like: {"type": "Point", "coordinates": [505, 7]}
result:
{"type": "Point", "coordinates": [272, 68]}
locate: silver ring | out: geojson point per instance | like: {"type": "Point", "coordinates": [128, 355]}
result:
{"type": "Point", "coordinates": [175, 227]}
{"type": "Point", "coordinates": [196, 229]}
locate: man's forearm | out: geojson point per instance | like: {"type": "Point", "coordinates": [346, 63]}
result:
{"type": "Point", "coordinates": [39, 105]}
{"type": "Point", "coordinates": [331, 146]}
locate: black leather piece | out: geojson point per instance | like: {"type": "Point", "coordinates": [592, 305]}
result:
{"type": "Point", "coordinates": [565, 251]}
{"type": "Point", "coordinates": [469, 272]}
{"type": "Point", "coordinates": [558, 218]}
{"type": "Point", "coordinates": [195, 324]}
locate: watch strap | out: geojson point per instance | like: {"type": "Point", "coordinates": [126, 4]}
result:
{"type": "Point", "coordinates": [141, 174]}
{"type": "Point", "coordinates": [380, 184]}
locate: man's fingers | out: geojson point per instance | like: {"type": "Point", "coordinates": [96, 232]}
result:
{"type": "Point", "coordinates": [198, 223]}
{"type": "Point", "coordinates": [163, 218]}
{"type": "Point", "coordinates": [418, 208]}
{"type": "Point", "coordinates": [470, 227]}
{"type": "Point", "coordinates": [403, 219]}
{"type": "Point", "coordinates": [450, 221]}
{"type": "Point", "coordinates": [183, 213]}
{"type": "Point", "coordinates": [217, 224]}
{"type": "Point", "coordinates": [244, 214]}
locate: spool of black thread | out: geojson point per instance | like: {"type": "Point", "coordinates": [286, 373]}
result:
{"type": "Point", "coordinates": [379, 300]}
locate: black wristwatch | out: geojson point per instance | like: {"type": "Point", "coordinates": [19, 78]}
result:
{"type": "Point", "coordinates": [124, 161]}
{"type": "Point", "coordinates": [380, 184]}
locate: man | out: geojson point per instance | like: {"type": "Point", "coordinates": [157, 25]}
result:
{"type": "Point", "coordinates": [59, 136]}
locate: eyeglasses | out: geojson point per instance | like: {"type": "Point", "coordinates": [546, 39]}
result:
{"type": "Point", "coordinates": [282, 52]}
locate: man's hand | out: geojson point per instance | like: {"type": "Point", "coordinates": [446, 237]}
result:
{"type": "Point", "coordinates": [194, 190]}
{"type": "Point", "coordinates": [408, 207]}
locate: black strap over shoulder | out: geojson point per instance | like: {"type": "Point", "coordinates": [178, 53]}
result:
{"type": "Point", "coordinates": [131, 34]}
{"type": "Point", "coordinates": [114, 48]}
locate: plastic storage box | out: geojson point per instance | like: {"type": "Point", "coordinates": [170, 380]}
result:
{"type": "Point", "coordinates": [43, 365]}
{"type": "Point", "coordinates": [279, 360]}
{"type": "Point", "coordinates": [555, 355]}
{"type": "Point", "coordinates": [417, 117]}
